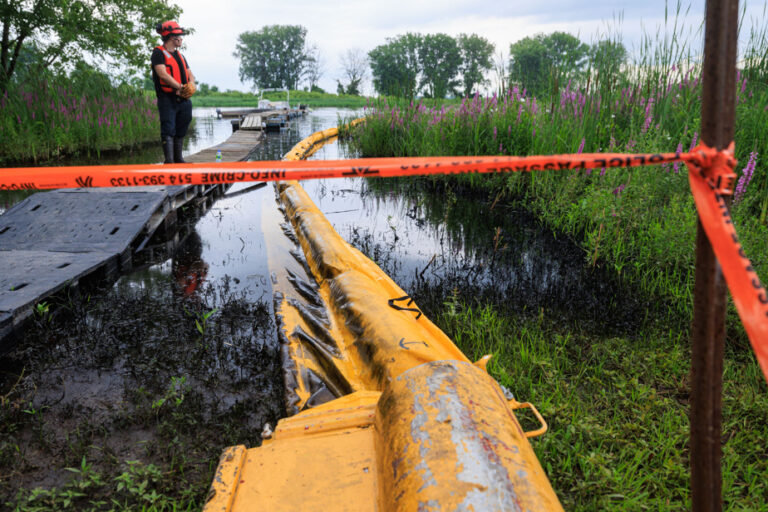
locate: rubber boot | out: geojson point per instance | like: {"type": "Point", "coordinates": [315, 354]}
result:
{"type": "Point", "coordinates": [168, 149]}
{"type": "Point", "coordinates": [178, 143]}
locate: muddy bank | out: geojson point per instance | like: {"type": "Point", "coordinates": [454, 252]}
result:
{"type": "Point", "coordinates": [164, 376]}
{"type": "Point", "coordinates": [149, 379]}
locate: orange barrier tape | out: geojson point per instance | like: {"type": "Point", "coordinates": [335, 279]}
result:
{"type": "Point", "coordinates": [709, 185]}
{"type": "Point", "coordinates": [138, 175]}
{"type": "Point", "coordinates": [711, 178]}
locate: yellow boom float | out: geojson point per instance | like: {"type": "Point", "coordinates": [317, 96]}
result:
{"type": "Point", "coordinates": [387, 413]}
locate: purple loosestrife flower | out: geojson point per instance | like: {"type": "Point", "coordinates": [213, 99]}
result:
{"type": "Point", "coordinates": [746, 177]}
{"type": "Point", "coordinates": [693, 142]}
{"type": "Point", "coordinates": [581, 147]}
{"type": "Point", "coordinates": [648, 115]}
{"type": "Point", "coordinates": [676, 165]}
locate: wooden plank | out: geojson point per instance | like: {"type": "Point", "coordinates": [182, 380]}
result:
{"type": "Point", "coordinates": [251, 122]}
{"type": "Point", "coordinates": [237, 147]}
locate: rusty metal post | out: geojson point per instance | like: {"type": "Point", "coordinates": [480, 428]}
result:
{"type": "Point", "coordinates": [710, 291]}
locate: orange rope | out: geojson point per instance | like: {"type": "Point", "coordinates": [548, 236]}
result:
{"type": "Point", "coordinates": [711, 177]}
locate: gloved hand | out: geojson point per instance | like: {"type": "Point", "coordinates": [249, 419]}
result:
{"type": "Point", "coordinates": [187, 90]}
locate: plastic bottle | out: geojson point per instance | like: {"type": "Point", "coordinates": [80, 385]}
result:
{"type": "Point", "coordinates": [218, 156]}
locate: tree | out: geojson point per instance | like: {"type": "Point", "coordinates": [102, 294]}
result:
{"type": "Point", "coordinates": [275, 56]}
{"type": "Point", "coordinates": [476, 60]}
{"type": "Point", "coordinates": [440, 59]}
{"type": "Point", "coordinates": [314, 66]}
{"type": "Point", "coordinates": [64, 30]}
{"type": "Point", "coordinates": [395, 65]}
{"type": "Point", "coordinates": [544, 61]}
{"type": "Point", "coordinates": [354, 64]}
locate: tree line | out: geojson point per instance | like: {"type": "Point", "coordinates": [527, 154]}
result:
{"type": "Point", "coordinates": [430, 65]}
{"type": "Point", "coordinates": [58, 32]}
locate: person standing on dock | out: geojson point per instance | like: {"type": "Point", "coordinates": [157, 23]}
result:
{"type": "Point", "coordinates": [174, 85]}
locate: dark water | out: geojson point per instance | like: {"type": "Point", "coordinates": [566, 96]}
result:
{"type": "Point", "coordinates": [199, 324]}
{"type": "Point", "coordinates": [426, 240]}
{"type": "Point", "coordinates": [170, 364]}
{"type": "Point", "coordinates": [233, 234]}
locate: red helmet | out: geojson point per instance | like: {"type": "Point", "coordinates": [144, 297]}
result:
{"type": "Point", "coordinates": [170, 28]}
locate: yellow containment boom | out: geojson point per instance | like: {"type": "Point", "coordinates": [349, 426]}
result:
{"type": "Point", "coordinates": [388, 414]}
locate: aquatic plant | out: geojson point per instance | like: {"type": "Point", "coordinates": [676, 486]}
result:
{"type": "Point", "coordinates": [80, 113]}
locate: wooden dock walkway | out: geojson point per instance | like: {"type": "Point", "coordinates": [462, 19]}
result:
{"type": "Point", "coordinates": [237, 147]}
{"type": "Point", "coordinates": [56, 240]}
{"type": "Point", "coordinates": [260, 119]}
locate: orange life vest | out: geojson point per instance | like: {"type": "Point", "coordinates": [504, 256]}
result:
{"type": "Point", "coordinates": [172, 66]}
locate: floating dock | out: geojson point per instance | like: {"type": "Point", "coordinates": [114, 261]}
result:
{"type": "Point", "coordinates": [260, 119]}
{"type": "Point", "coordinates": [61, 239]}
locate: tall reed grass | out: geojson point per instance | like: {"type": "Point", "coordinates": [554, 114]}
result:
{"type": "Point", "coordinates": [44, 116]}
{"type": "Point", "coordinates": [640, 221]}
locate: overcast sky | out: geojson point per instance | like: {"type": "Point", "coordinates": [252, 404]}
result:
{"type": "Point", "coordinates": [365, 24]}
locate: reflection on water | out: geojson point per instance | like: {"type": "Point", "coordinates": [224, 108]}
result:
{"type": "Point", "coordinates": [232, 245]}
{"type": "Point", "coordinates": [429, 241]}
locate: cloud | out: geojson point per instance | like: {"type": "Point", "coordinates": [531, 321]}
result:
{"type": "Point", "coordinates": [366, 24]}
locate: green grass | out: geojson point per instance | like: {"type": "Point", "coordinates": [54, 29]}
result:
{"type": "Point", "coordinates": [311, 99]}
{"type": "Point", "coordinates": [617, 409]}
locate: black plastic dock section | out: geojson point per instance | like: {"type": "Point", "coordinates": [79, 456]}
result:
{"type": "Point", "coordinates": [55, 240]}
{"type": "Point", "coordinates": [51, 240]}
